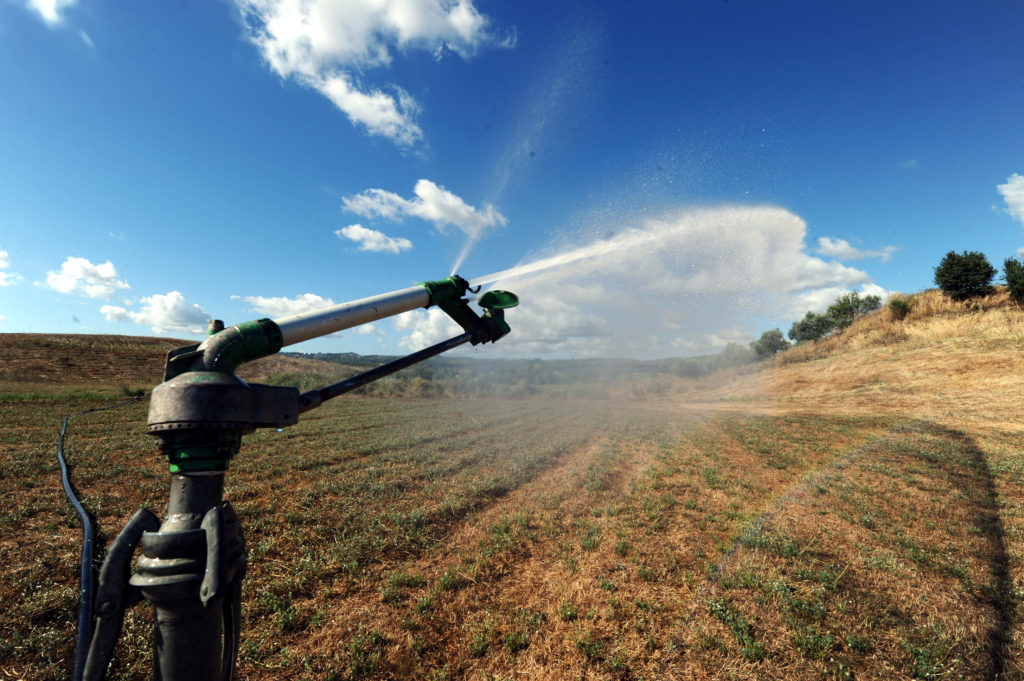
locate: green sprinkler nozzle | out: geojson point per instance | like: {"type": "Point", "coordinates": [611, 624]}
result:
{"type": "Point", "coordinates": [448, 294]}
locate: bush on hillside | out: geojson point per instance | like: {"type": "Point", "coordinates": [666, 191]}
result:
{"type": "Point", "coordinates": [900, 308]}
{"type": "Point", "coordinates": [1013, 269]}
{"type": "Point", "coordinates": [769, 344]}
{"type": "Point", "coordinates": [965, 275]}
{"type": "Point", "coordinates": [811, 327]}
{"type": "Point", "coordinates": [850, 307]}
{"type": "Point", "coordinates": [733, 355]}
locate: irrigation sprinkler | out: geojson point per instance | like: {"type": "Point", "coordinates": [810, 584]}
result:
{"type": "Point", "coordinates": [193, 563]}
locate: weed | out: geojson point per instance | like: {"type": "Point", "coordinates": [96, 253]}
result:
{"type": "Point", "coordinates": [712, 478]}
{"type": "Point", "coordinates": [591, 538]}
{"type": "Point", "coordinates": [932, 655]}
{"type": "Point", "coordinates": [405, 580]}
{"type": "Point", "coordinates": [756, 538]}
{"type": "Point", "coordinates": [806, 609]}
{"type": "Point", "coordinates": [859, 643]}
{"type": "Point", "coordinates": [813, 643]}
{"type": "Point", "coordinates": [480, 637]}
{"type": "Point", "coordinates": [645, 573]}
{"type": "Point", "coordinates": [591, 647]}
{"type": "Point", "coordinates": [451, 580]}
{"type": "Point", "coordinates": [438, 674]}
{"type": "Point", "coordinates": [741, 629]}
{"type": "Point", "coordinates": [516, 641]}
{"type": "Point", "coordinates": [363, 652]}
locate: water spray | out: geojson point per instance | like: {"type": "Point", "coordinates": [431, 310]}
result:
{"type": "Point", "coordinates": [193, 563]}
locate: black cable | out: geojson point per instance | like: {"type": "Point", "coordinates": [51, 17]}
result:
{"type": "Point", "coordinates": [85, 597]}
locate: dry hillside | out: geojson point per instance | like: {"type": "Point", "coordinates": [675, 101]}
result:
{"type": "Point", "coordinates": [39, 362]}
{"type": "Point", "coordinates": [954, 363]}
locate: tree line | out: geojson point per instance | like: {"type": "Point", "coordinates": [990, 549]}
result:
{"type": "Point", "coordinates": [961, 276]}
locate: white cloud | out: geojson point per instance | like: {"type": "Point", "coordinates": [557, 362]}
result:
{"type": "Point", "coordinates": [7, 278]}
{"type": "Point", "coordinates": [425, 328]}
{"type": "Point", "coordinates": [909, 164]}
{"type": "Point", "coordinates": [115, 313]}
{"type": "Point", "coordinates": [377, 203]}
{"type": "Point", "coordinates": [169, 313]}
{"type": "Point", "coordinates": [841, 249]}
{"type": "Point", "coordinates": [368, 329]}
{"type": "Point", "coordinates": [381, 113]}
{"type": "Point", "coordinates": [432, 203]}
{"type": "Point", "coordinates": [78, 276]}
{"type": "Point", "coordinates": [320, 43]}
{"type": "Point", "coordinates": [819, 300]}
{"type": "Point", "coordinates": [49, 10]}
{"type": "Point", "coordinates": [686, 282]}
{"type": "Point", "coordinates": [279, 307]}
{"type": "Point", "coordinates": [1013, 194]}
{"type": "Point", "coordinates": [710, 343]}
{"type": "Point", "coordinates": [372, 240]}
{"type": "Point", "coordinates": [875, 290]}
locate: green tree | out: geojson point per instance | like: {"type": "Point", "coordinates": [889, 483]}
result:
{"type": "Point", "coordinates": [769, 344]}
{"type": "Point", "coordinates": [846, 309]}
{"type": "Point", "coordinates": [1013, 269]}
{"type": "Point", "coordinates": [811, 327]}
{"type": "Point", "coordinates": [965, 275]}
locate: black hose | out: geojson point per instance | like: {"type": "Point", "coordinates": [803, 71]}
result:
{"type": "Point", "coordinates": [85, 597]}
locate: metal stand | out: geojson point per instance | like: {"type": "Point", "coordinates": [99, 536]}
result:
{"type": "Point", "coordinates": [192, 571]}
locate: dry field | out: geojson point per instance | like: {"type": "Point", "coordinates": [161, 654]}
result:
{"type": "Point", "coordinates": [853, 510]}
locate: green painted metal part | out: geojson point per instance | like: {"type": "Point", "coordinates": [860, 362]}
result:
{"type": "Point", "coordinates": [245, 342]}
{"type": "Point", "coordinates": [454, 287]}
{"type": "Point", "coordinates": [498, 300]}
{"type": "Point", "coordinates": [447, 295]}
{"type": "Point", "coordinates": [196, 459]}
{"type": "Point", "coordinates": [226, 350]}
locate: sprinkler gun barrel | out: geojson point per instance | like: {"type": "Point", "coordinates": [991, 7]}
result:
{"type": "Point", "coordinates": [301, 327]}
{"type": "Point", "coordinates": [445, 293]}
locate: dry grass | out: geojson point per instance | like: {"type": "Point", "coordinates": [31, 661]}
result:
{"type": "Point", "coordinates": [953, 363]}
{"type": "Point", "coordinates": [853, 510]}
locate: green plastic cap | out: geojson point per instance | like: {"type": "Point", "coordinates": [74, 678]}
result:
{"type": "Point", "coordinates": [498, 300]}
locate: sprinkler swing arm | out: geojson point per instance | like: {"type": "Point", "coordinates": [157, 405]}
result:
{"type": "Point", "coordinates": [193, 563]}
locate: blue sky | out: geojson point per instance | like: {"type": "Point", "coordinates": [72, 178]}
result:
{"type": "Point", "coordinates": [688, 173]}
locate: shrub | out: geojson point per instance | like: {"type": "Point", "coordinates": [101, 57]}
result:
{"type": "Point", "coordinates": [900, 308]}
{"type": "Point", "coordinates": [963, 276]}
{"type": "Point", "coordinates": [846, 309]}
{"type": "Point", "coordinates": [811, 327]}
{"type": "Point", "coordinates": [769, 344]}
{"type": "Point", "coordinates": [1013, 269]}
{"type": "Point", "coordinates": [733, 355]}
